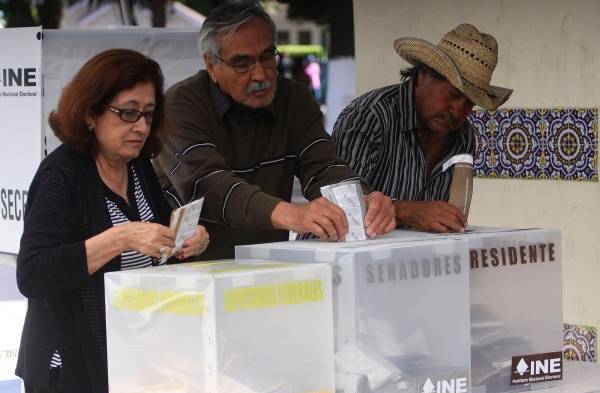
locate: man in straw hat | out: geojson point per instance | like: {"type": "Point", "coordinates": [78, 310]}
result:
{"type": "Point", "coordinates": [398, 137]}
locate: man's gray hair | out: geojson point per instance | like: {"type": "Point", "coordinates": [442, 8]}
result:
{"type": "Point", "coordinates": [226, 19]}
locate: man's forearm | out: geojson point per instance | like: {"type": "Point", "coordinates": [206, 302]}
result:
{"type": "Point", "coordinates": [282, 216]}
{"type": "Point", "coordinates": [435, 216]}
{"type": "Point", "coordinates": [404, 212]}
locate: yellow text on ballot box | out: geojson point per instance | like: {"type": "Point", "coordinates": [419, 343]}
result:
{"type": "Point", "coordinates": [220, 327]}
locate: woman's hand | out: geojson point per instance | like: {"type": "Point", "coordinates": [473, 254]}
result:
{"type": "Point", "coordinates": [144, 237]}
{"type": "Point", "coordinates": [195, 244]}
{"type": "Point", "coordinates": [148, 238]}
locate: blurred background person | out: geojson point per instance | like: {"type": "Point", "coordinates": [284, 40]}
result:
{"type": "Point", "coordinates": [313, 70]}
{"type": "Point", "coordinates": [285, 65]}
{"type": "Point", "coordinates": [298, 72]}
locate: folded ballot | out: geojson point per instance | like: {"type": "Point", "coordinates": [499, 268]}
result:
{"type": "Point", "coordinates": [461, 187]}
{"type": "Point", "coordinates": [349, 197]}
{"type": "Point", "coordinates": [184, 221]}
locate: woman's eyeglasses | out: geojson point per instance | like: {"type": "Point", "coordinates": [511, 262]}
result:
{"type": "Point", "coordinates": [133, 115]}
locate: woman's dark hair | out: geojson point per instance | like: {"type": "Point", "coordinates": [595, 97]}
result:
{"type": "Point", "coordinates": [90, 91]}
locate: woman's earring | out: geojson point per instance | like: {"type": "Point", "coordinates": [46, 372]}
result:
{"type": "Point", "coordinates": [91, 128]}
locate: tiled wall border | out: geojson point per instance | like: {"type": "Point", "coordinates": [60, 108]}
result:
{"type": "Point", "coordinates": [542, 143]}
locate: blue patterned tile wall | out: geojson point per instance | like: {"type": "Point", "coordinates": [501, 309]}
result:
{"type": "Point", "coordinates": [537, 143]}
{"type": "Point", "coordinates": [579, 342]}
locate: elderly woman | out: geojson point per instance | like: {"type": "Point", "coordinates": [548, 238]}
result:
{"type": "Point", "coordinates": [94, 206]}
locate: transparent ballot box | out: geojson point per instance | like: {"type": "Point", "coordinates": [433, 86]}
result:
{"type": "Point", "coordinates": [401, 310]}
{"type": "Point", "coordinates": [220, 327]}
{"type": "Point", "coordinates": [516, 305]}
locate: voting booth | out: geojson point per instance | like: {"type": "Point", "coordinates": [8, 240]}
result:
{"type": "Point", "coordinates": [21, 136]}
{"type": "Point", "coordinates": [220, 327]}
{"type": "Point", "coordinates": [401, 310]}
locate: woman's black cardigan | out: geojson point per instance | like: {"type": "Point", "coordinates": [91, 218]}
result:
{"type": "Point", "coordinates": [65, 311]}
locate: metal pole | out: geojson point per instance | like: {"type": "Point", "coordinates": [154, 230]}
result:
{"type": "Point", "coordinates": [126, 17]}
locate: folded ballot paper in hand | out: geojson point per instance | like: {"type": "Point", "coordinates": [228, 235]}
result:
{"type": "Point", "coordinates": [349, 197]}
{"type": "Point", "coordinates": [184, 221]}
{"type": "Point", "coordinates": [461, 187]}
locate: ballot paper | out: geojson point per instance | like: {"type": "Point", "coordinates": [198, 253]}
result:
{"type": "Point", "coordinates": [184, 221]}
{"type": "Point", "coordinates": [461, 187]}
{"type": "Point", "coordinates": [349, 197]}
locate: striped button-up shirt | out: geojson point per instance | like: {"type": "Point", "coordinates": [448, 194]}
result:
{"type": "Point", "coordinates": [378, 135]}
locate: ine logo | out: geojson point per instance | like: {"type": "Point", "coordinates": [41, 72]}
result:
{"type": "Point", "coordinates": [454, 385]}
{"type": "Point", "coordinates": [21, 77]}
{"type": "Point", "coordinates": [536, 368]}
{"type": "Point", "coordinates": [522, 367]}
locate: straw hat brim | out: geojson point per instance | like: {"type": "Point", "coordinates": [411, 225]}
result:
{"type": "Point", "coordinates": [416, 50]}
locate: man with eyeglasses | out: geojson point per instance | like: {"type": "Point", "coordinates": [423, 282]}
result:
{"type": "Point", "coordinates": [239, 134]}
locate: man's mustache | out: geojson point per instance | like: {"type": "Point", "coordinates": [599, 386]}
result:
{"type": "Point", "coordinates": [258, 86]}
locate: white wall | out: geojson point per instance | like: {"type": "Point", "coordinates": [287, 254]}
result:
{"type": "Point", "coordinates": [549, 52]}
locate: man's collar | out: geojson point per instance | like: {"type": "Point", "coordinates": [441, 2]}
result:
{"type": "Point", "coordinates": [224, 103]}
{"type": "Point", "coordinates": [408, 109]}
{"type": "Point", "coordinates": [221, 101]}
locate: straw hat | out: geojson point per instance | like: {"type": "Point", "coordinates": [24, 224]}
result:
{"type": "Point", "coordinates": [465, 57]}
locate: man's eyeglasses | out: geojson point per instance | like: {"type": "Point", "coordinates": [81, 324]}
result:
{"type": "Point", "coordinates": [243, 64]}
{"type": "Point", "coordinates": [133, 115]}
